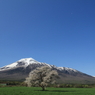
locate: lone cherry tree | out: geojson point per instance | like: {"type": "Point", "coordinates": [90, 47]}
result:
{"type": "Point", "coordinates": [42, 76]}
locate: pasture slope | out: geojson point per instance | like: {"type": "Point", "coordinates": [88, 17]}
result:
{"type": "Point", "coordinates": [49, 91]}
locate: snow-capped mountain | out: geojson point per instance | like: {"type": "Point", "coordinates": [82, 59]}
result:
{"type": "Point", "coordinates": [20, 69]}
{"type": "Point", "coordinates": [30, 61]}
{"type": "Point", "coordinates": [23, 63]}
{"type": "Point", "coordinates": [20, 63]}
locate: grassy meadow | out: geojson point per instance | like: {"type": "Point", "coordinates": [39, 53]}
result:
{"type": "Point", "coordinates": [49, 91]}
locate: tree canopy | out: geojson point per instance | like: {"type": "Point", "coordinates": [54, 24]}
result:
{"type": "Point", "coordinates": [42, 76]}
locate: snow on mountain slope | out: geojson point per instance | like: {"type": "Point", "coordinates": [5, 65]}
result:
{"type": "Point", "coordinates": [66, 68]}
{"type": "Point", "coordinates": [22, 63]}
{"type": "Point", "coordinates": [29, 61]}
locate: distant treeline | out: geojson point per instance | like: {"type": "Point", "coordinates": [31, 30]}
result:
{"type": "Point", "coordinates": [75, 85]}
{"type": "Point", "coordinates": [5, 81]}
{"type": "Point", "coordinates": [11, 82]}
{"type": "Point", "coordinates": [21, 83]}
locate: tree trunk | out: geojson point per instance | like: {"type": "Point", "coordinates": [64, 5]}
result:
{"type": "Point", "coordinates": [43, 88]}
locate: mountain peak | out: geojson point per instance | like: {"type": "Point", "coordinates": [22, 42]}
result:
{"type": "Point", "coordinates": [22, 62]}
{"type": "Point", "coordinates": [27, 60]}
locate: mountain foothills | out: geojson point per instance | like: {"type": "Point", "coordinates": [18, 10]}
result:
{"type": "Point", "coordinates": [20, 69]}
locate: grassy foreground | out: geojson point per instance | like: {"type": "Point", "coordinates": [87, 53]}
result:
{"type": "Point", "coordinates": [50, 91]}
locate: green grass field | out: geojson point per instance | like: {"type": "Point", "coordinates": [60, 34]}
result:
{"type": "Point", "coordinates": [50, 91]}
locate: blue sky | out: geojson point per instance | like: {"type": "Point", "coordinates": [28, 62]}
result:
{"type": "Point", "coordinates": [58, 32]}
